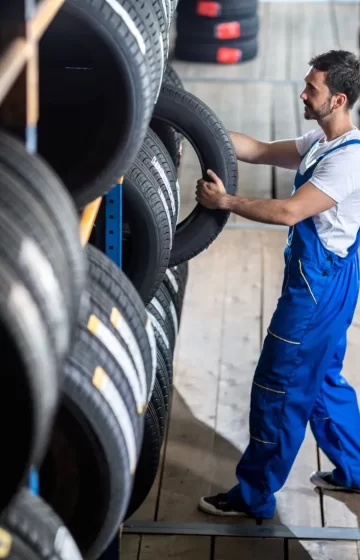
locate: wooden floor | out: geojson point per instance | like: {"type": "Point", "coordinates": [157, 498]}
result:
{"type": "Point", "coordinates": [232, 291]}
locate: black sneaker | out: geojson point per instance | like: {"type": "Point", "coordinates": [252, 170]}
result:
{"type": "Point", "coordinates": [219, 505]}
{"type": "Point", "coordinates": [325, 481]}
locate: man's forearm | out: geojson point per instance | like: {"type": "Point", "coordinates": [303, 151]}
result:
{"type": "Point", "coordinates": [247, 149]}
{"type": "Point", "coordinates": [267, 211]}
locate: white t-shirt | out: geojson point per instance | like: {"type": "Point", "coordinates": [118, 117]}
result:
{"type": "Point", "coordinates": [337, 175]}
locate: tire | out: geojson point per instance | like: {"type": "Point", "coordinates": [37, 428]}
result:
{"type": "Point", "coordinates": [168, 135]}
{"type": "Point", "coordinates": [160, 10]}
{"type": "Point", "coordinates": [175, 282]}
{"type": "Point", "coordinates": [46, 188]}
{"type": "Point", "coordinates": [126, 299]}
{"type": "Point", "coordinates": [145, 214]}
{"type": "Point", "coordinates": [110, 38]}
{"type": "Point", "coordinates": [162, 378]}
{"type": "Point", "coordinates": [229, 52]}
{"type": "Point", "coordinates": [227, 9]}
{"type": "Point", "coordinates": [172, 77]}
{"type": "Point", "coordinates": [30, 382]}
{"type": "Point", "coordinates": [157, 400]}
{"type": "Point", "coordinates": [206, 133]}
{"type": "Point", "coordinates": [24, 256]}
{"type": "Point", "coordinates": [31, 530]}
{"type": "Point", "coordinates": [200, 29]}
{"type": "Point", "coordinates": [162, 167]}
{"type": "Point", "coordinates": [87, 475]}
{"type": "Point", "coordinates": [162, 329]}
{"type": "Point", "coordinates": [148, 464]}
{"type": "Point", "coordinates": [156, 42]}
{"type": "Point", "coordinates": [22, 207]}
{"type": "Point", "coordinates": [99, 316]}
{"type": "Point", "coordinates": [163, 303]}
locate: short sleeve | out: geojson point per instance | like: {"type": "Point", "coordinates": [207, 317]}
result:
{"type": "Point", "coordinates": [303, 143]}
{"type": "Point", "coordinates": [337, 175]}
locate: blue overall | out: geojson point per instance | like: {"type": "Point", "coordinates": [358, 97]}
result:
{"type": "Point", "coordinates": [298, 377]}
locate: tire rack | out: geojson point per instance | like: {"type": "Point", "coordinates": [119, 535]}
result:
{"type": "Point", "coordinates": [22, 24]}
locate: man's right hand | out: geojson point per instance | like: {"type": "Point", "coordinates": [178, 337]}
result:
{"type": "Point", "coordinates": [280, 153]}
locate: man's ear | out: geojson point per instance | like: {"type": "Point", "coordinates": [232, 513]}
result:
{"type": "Point", "coordinates": [340, 101]}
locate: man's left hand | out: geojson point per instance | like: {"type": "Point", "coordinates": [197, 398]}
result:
{"type": "Point", "coordinates": [211, 193]}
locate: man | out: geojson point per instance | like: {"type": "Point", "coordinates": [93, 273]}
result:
{"type": "Point", "coordinates": [298, 376]}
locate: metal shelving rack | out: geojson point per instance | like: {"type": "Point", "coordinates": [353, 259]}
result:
{"type": "Point", "coordinates": [22, 25]}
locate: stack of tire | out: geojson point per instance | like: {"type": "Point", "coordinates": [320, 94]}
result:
{"type": "Point", "coordinates": [42, 272]}
{"type": "Point", "coordinates": [107, 435]}
{"type": "Point", "coordinates": [87, 348]}
{"type": "Point", "coordinates": [223, 32]}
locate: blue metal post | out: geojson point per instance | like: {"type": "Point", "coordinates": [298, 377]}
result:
{"type": "Point", "coordinates": [113, 224]}
{"type": "Point", "coordinates": [113, 249]}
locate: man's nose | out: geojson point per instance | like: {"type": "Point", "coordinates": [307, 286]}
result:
{"type": "Point", "coordinates": [303, 95]}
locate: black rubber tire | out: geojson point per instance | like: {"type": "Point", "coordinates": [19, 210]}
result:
{"type": "Point", "coordinates": [87, 474]}
{"type": "Point", "coordinates": [30, 382]}
{"type": "Point", "coordinates": [148, 464]}
{"type": "Point", "coordinates": [100, 309]}
{"type": "Point", "coordinates": [168, 135]}
{"type": "Point", "coordinates": [156, 42]}
{"type": "Point", "coordinates": [172, 77]}
{"type": "Point", "coordinates": [33, 531]}
{"type": "Point", "coordinates": [164, 299]}
{"type": "Point", "coordinates": [157, 400]}
{"type": "Point", "coordinates": [24, 256]}
{"type": "Point", "coordinates": [46, 188]}
{"type": "Point", "coordinates": [163, 380]}
{"type": "Point", "coordinates": [107, 108]}
{"type": "Point", "coordinates": [161, 15]}
{"type": "Point", "coordinates": [228, 52]}
{"type": "Point", "coordinates": [224, 9]}
{"type": "Point", "coordinates": [160, 164]}
{"type": "Point", "coordinates": [209, 138]}
{"type": "Point", "coordinates": [126, 299]}
{"type": "Point", "coordinates": [162, 329]}
{"type": "Point", "coordinates": [146, 213]}
{"type": "Point", "coordinates": [175, 282]}
{"type": "Point", "coordinates": [200, 29]}
{"type": "Point", "coordinates": [22, 207]}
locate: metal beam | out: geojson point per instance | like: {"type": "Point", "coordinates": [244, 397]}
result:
{"type": "Point", "coordinates": [260, 531]}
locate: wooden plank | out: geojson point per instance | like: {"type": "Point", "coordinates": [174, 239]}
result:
{"type": "Point", "coordinates": [129, 547]}
{"type": "Point", "coordinates": [240, 338]}
{"type": "Point", "coordinates": [297, 503]}
{"type": "Point", "coordinates": [248, 549]}
{"type": "Point", "coordinates": [285, 127]}
{"type": "Point", "coordinates": [305, 550]}
{"type": "Point", "coordinates": [278, 44]}
{"type": "Point", "coordinates": [246, 70]}
{"type": "Point", "coordinates": [45, 13]}
{"type": "Point", "coordinates": [189, 456]}
{"type": "Point", "coordinates": [175, 547]}
{"type": "Point", "coordinates": [235, 105]}
{"type": "Point", "coordinates": [12, 63]}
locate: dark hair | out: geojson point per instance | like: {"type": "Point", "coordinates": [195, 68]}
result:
{"type": "Point", "coordinates": [343, 73]}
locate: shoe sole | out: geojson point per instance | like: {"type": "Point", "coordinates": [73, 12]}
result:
{"type": "Point", "coordinates": [320, 483]}
{"type": "Point", "coordinates": [208, 508]}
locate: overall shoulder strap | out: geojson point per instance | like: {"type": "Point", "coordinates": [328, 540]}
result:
{"type": "Point", "coordinates": [310, 148]}
{"type": "Point", "coordinates": [347, 143]}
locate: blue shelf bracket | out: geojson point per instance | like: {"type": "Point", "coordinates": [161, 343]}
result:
{"type": "Point", "coordinates": [113, 223]}
{"type": "Point", "coordinates": [113, 249]}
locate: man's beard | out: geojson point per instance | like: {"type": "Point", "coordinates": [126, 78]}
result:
{"type": "Point", "coordinates": [324, 111]}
